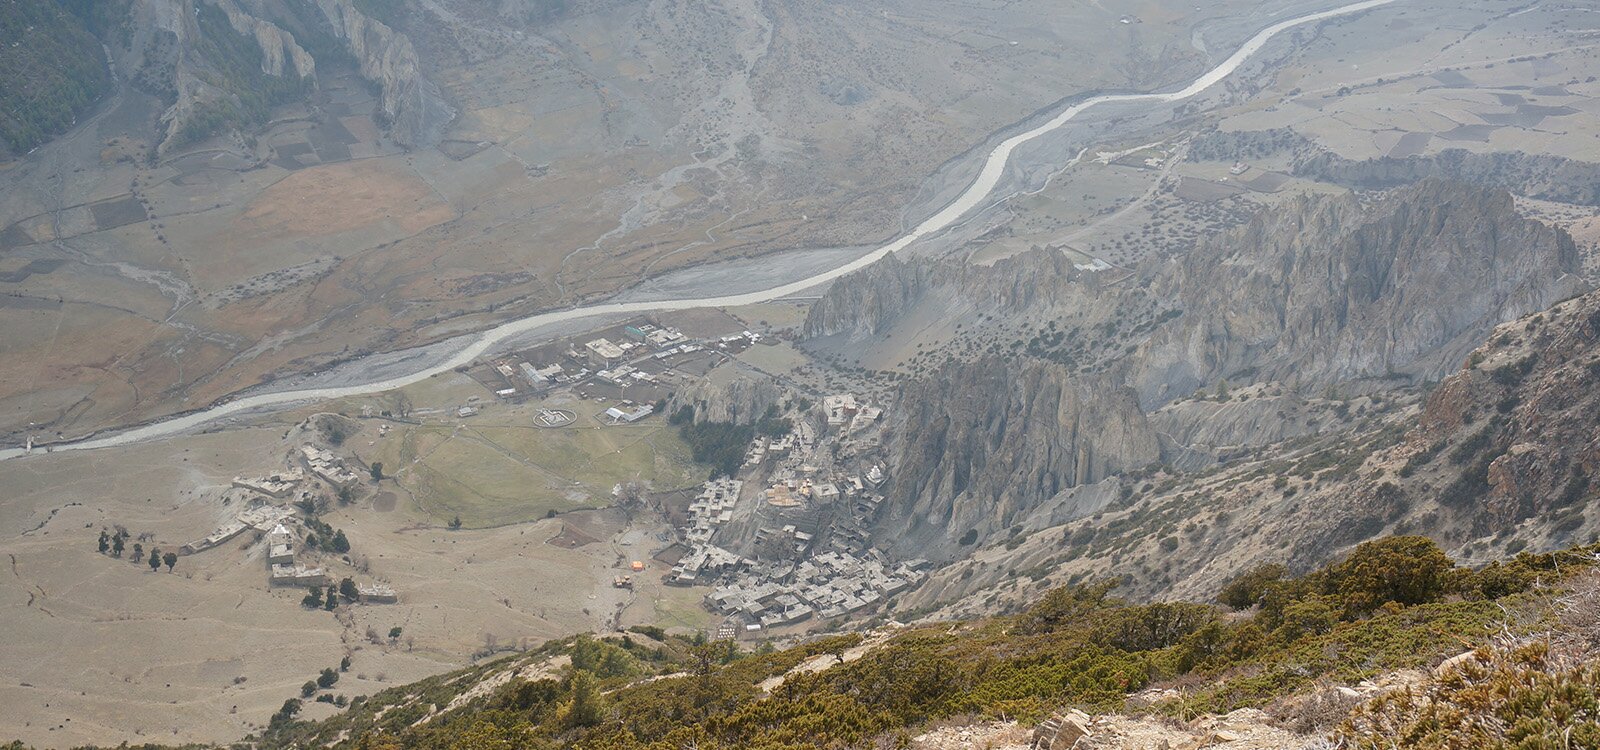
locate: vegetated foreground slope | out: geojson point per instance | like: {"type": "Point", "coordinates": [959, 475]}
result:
{"type": "Point", "coordinates": [1393, 604]}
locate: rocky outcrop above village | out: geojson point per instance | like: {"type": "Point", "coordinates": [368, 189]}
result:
{"type": "Point", "coordinates": [977, 449]}
{"type": "Point", "coordinates": [1323, 291]}
{"type": "Point", "coordinates": [1285, 328]}
{"type": "Point", "coordinates": [867, 302]}
{"type": "Point", "coordinates": [1500, 457]}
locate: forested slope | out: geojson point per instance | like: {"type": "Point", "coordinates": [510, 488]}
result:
{"type": "Point", "coordinates": [54, 68]}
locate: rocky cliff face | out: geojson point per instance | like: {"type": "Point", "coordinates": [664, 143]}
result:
{"type": "Point", "coordinates": [1318, 292]}
{"type": "Point", "coordinates": [1323, 291]}
{"type": "Point", "coordinates": [739, 400]}
{"type": "Point", "coordinates": [1501, 456]}
{"type": "Point", "coordinates": [415, 110]}
{"type": "Point", "coordinates": [1516, 434]}
{"type": "Point", "coordinates": [976, 450]}
{"type": "Point", "coordinates": [173, 51]}
{"type": "Point", "coordinates": [280, 53]}
{"type": "Point", "coordinates": [1537, 176]}
{"type": "Point", "coordinates": [867, 302]}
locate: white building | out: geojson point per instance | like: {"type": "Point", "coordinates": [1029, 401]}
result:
{"type": "Point", "coordinates": [619, 416]}
{"type": "Point", "coordinates": [840, 408]}
{"type": "Point", "coordinates": [664, 338]}
{"type": "Point", "coordinates": [602, 352]}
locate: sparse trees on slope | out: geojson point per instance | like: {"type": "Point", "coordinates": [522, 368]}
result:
{"type": "Point", "coordinates": [585, 710]}
{"type": "Point", "coordinates": [1250, 587]}
{"type": "Point", "coordinates": [289, 710]}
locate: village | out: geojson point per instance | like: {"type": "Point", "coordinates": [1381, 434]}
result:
{"type": "Point", "coordinates": [281, 509]}
{"type": "Point", "coordinates": [787, 542]}
{"type": "Point", "coordinates": [782, 544]}
{"type": "Point", "coordinates": [630, 367]}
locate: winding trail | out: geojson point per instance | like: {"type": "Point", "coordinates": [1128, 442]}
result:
{"type": "Point", "coordinates": [987, 180]}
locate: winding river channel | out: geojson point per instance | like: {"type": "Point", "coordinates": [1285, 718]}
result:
{"type": "Point", "coordinates": [977, 194]}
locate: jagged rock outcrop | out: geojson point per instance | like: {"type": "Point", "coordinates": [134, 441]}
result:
{"type": "Point", "coordinates": [1522, 422]}
{"type": "Point", "coordinates": [413, 106]}
{"type": "Point", "coordinates": [739, 399]}
{"type": "Point", "coordinates": [1323, 291]}
{"type": "Point", "coordinates": [1313, 293]}
{"type": "Point", "coordinates": [165, 53]}
{"type": "Point", "coordinates": [280, 54]}
{"type": "Point", "coordinates": [866, 303]}
{"type": "Point", "coordinates": [1534, 175]}
{"type": "Point", "coordinates": [975, 450]}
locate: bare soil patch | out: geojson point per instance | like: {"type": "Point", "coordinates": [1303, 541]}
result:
{"type": "Point", "coordinates": [570, 538]}
{"type": "Point", "coordinates": [116, 213]}
{"type": "Point", "coordinates": [1204, 191]}
{"type": "Point", "coordinates": [329, 199]}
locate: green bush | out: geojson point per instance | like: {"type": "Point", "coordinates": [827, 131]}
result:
{"type": "Point", "coordinates": [1402, 569]}
{"type": "Point", "coordinates": [1250, 587]}
{"type": "Point", "coordinates": [1386, 606]}
{"type": "Point", "coordinates": [720, 445]}
{"type": "Point", "coordinates": [1497, 700]}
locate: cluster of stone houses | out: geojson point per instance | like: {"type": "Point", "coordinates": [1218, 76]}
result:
{"type": "Point", "coordinates": [285, 570]}
{"type": "Point", "coordinates": [260, 518]}
{"type": "Point", "coordinates": [281, 566]}
{"type": "Point", "coordinates": [280, 485]}
{"type": "Point", "coordinates": [328, 466]}
{"type": "Point", "coordinates": [711, 509]}
{"type": "Point", "coordinates": [705, 563]}
{"type": "Point", "coordinates": [798, 443]}
{"type": "Point", "coordinates": [827, 585]}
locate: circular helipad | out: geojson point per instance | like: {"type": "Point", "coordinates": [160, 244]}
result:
{"type": "Point", "coordinates": [554, 418]}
